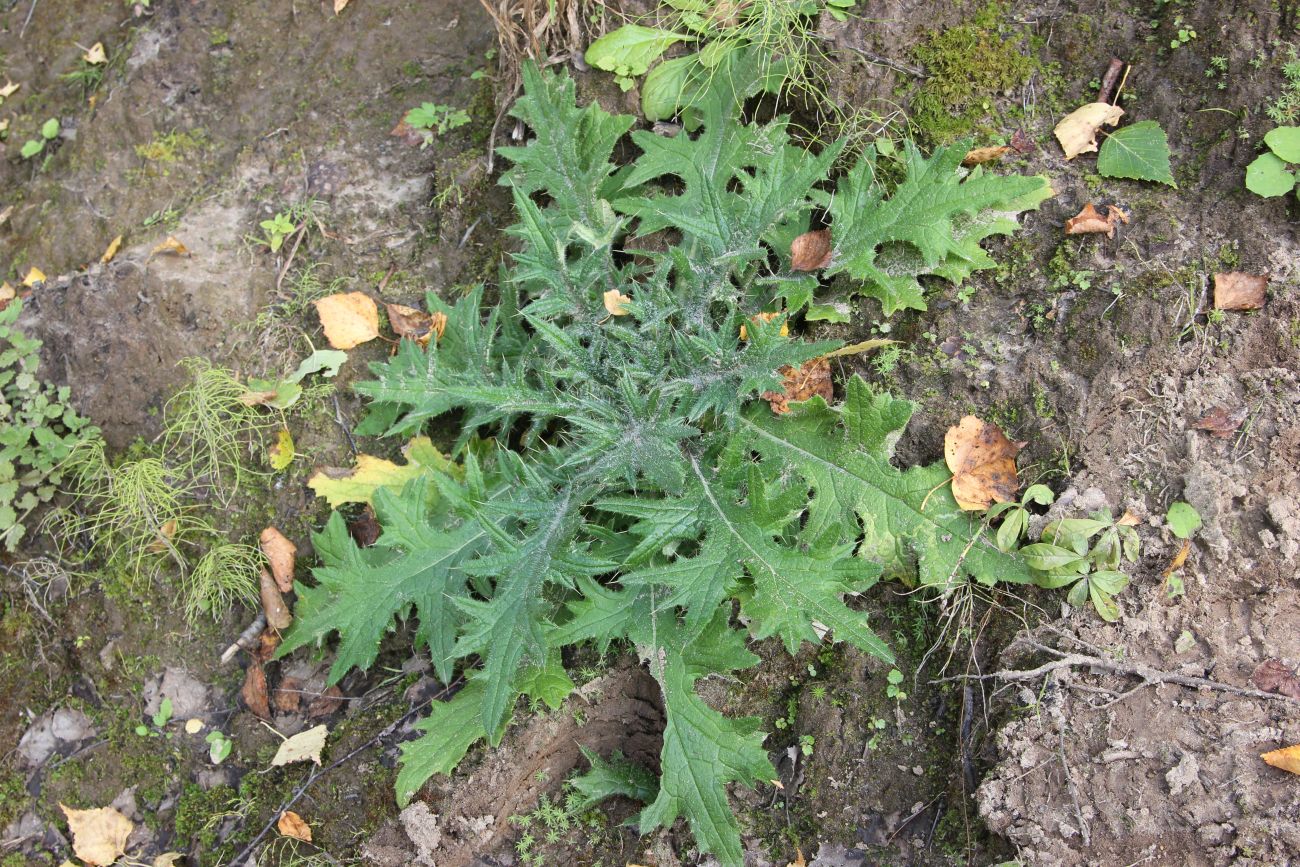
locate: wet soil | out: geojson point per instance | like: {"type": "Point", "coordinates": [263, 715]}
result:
{"type": "Point", "coordinates": [1099, 352]}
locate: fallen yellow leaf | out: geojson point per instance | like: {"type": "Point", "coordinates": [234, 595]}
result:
{"type": "Point", "coordinates": [193, 726]}
{"type": "Point", "coordinates": [281, 452]}
{"type": "Point", "coordinates": [98, 836]}
{"type": "Point", "coordinates": [349, 319]}
{"type": "Point", "coordinates": [170, 247]}
{"type": "Point", "coordinates": [10, 88]}
{"type": "Point", "coordinates": [983, 463]}
{"type": "Point", "coordinates": [292, 825]}
{"type": "Point", "coordinates": [113, 246]}
{"type": "Point", "coordinates": [34, 275]}
{"type": "Point", "coordinates": [304, 746]}
{"type": "Point", "coordinates": [340, 5]}
{"type": "Point", "coordinates": [1077, 131]}
{"type": "Point", "coordinates": [616, 302]}
{"type": "Point", "coordinates": [1287, 759]}
{"type": "Point", "coordinates": [358, 485]}
{"type": "Point", "coordinates": [95, 54]}
{"type": "Point", "coordinates": [7, 294]}
{"type": "Point", "coordinates": [168, 859]}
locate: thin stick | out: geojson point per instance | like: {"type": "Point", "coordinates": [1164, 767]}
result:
{"type": "Point", "coordinates": [28, 19]}
{"type": "Point", "coordinates": [1108, 80]}
{"type": "Point", "coordinates": [1150, 676]}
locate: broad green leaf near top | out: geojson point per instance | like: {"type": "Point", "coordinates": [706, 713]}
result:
{"type": "Point", "coordinates": [1285, 142]}
{"type": "Point", "coordinates": [629, 50]}
{"type": "Point", "coordinates": [1268, 176]}
{"type": "Point", "coordinates": [1139, 152]}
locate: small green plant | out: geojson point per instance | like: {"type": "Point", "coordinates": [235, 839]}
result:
{"type": "Point", "coordinates": [1183, 520]}
{"type": "Point", "coordinates": [34, 146]}
{"type": "Point", "coordinates": [431, 120]}
{"type": "Point", "coordinates": [219, 746]}
{"type": "Point", "coordinates": [1065, 554]}
{"type": "Point", "coordinates": [1182, 35]}
{"type": "Point", "coordinates": [782, 32]}
{"type": "Point", "coordinates": [159, 720]}
{"type": "Point", "coordinates": [276, 229]}
{"type": "Point", "coordinates": [1016, 522]}
{"type": "Point", "coordinates": [893, 686]}
{"type": "Point", "coordinates": [38, 429]}
{"type": "Point", "coordinates": [1285, 109]}
{"type": "Point", "coordinates": [226, 573]}
{"type": "Point", "coordinates": [617, 478]}
{"type": "Point", "coordinates": [1270, 174]}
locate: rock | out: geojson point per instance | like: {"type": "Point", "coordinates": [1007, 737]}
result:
{"type": "Point", "coordinates": [421, 826]}
{"type": "Point", "coordinates": [188, 694]}
{"type": "Point", "coordinates": [1184, 774]}
{"type": "Point", "coordinates": [60, 730]}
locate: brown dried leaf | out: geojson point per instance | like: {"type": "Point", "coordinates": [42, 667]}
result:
{"type": "Point", "coordinates": [364, 528]}
{"type": "Point", "coordinates": [798, 859]}
{"type": "Point", "coordinates": [409, 135]}
{"type": "Point", "coordinates": [1221, 423]}
{"type": "Point", "coordinates": [983, 463]}
{"type": "Point", "coordinates": [288, 695]}
{"type": "Point", "coordinates": [1091, 220]}
{"type": "Point", "coordinates": [1234, 290]}
{"type": "Point", "coordinates": [326, 703]}
{"type": "Point", "coordinates": [162, 541]}
{"type": "Point", "coordinates": [1077, 131]}
{"type": "Point", "coordinates": [280, 553]}
{"type": "Point", "coordinates": [979, 156]}
{"type": "Point", "coordinates": [1272, 676]}
{"type": "Point", "coordinates": [1179, 559]}
{"type": "Point", "coordinates": [277, 613]}
{"type": "Point", "coordinates": [616, 302]}
{"type": "Point", "coordinates": [290, 824]}
{"type": "Point", "coordinates": [1021, 143]}
{"type": "Point", "coordinates": [813, 378]}
{"type": "Point", "coordinates": [169, 247]}
{"type": "Point", "coordinates": [99, 835]}
{"type": "Point", "coordinates": [253, 692]}
{"type": "Point", "coordinates": [113, 246]}
{"type": "Point", "coordinates": [7, 294]}
{"type": "Point", "coordinates": [1287, 759]}
{"type": "Point", "coordinates": [415, 324]}
{"type": "Point", "coordinates": [349, 319]}
{"type": "Point", "coordinates": [811, 251]}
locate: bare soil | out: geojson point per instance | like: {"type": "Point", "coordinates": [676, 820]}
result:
{"type": "Point", "coordinates": [1099, 352]}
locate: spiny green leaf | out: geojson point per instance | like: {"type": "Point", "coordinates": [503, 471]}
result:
{"type": "Point", "coordinates": [618, 776]}
{"type": "Point", "coordinates": [450, 729]}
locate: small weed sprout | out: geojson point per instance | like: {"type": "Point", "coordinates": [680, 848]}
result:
{"type": "Point", "coordinates": [276, 229]}
{"type": "Point", "coordinates": [34, 146]}
{"type": "Point", "coordinates": [430, 120]}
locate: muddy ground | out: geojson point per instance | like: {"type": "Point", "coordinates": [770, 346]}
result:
{"type": "Point", "coordinates": [1099, 352]}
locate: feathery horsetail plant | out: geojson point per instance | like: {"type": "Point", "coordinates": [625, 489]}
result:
{"type": "Point", "coordinates": [616, 479]}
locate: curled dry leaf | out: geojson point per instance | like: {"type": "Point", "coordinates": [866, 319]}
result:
{"type": "Point", "coordinates": [277, 613]}
{"type": "Point", "coordinates": [812, 378]}
{"type": "Point", "coordinates": [326, 703]}
{"type": "Point", "coordinates": [1077, 131]}
{"type": "Point", "coordinates": [1180, 559]}
{"type": "Point", "coordinates": [111, 251]}
{"type": "Point", "coordinates": [288, 695]}
{"type": "Point", "coordinates": [349, 319]}
{"type": "Point", "coordinates": [290, 824]}
{"type": "Point", "coordinates": [811, 251]}
{"type": "Point", "coordinates": [253, 692]}
{"type": "Point", "coordinates": [340, 5]}
{"type": "Point", "coordinates": [162, 541]}
{"type": "Point", "coordinates": [1091, 220]}
{"type": "Point", "coordinates": [34, 275]}
{"type": "Point", "coordinates": [1272, 676]}
{"type": "Point", "coordinates": [364, 528]}
{"type": "Point", "coordinates": [170, 247]}
{"type": "Point", "coordinates": [302, 747]}
{"type": "Point", "coordinates": [1287, 759]}
{"type": "Point", "coordinates": [798, 859]}
{"type": "Point", "coordinates": [415, 324]}
{"type": "Point", "coordinates": [766, 317]}
{"type": "Point", "coordinates": [99, 835]}
{"type": "Point", "coordinates": [409, 135]}
{"type": "Point", "coordinates": [9, 89]}
{"type": "Point", "coordinates": [983, 463]}
{"type": "Point", "coordinates": [7, 294]}
{"type": "Point", "coordinates": [979, 156]}
{"type": "Point", "coordinates": [95, 54]}
{"type": "Point", "coordinates": [1221, 423]}
{"type": "Point", "coordinates": [1234, 290]}
{"type": "Point", "coordinates": [280, 553]}
{"type": "Point", "coordinates": [616, 302]}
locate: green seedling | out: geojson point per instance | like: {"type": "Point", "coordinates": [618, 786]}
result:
{"type": "Point", "coordinates": [1271, 173]}
{"type": "Point", "coordinates": [895, 680]}
{"type": "Point", "coordinates": [431, 120]}
{"type": "Point", "coordinates": [276, 230]}
{"type": "Point", "coordinates": [219, 746]}
{"type": "Point", "coordinates": [1066, 554]}
{"type": "Point", "coordinates": [1016, 522]}
{"type": "Point", "coordinates": [33, 146]}
{"type": "Point", "coordinates": [1183, 520]}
